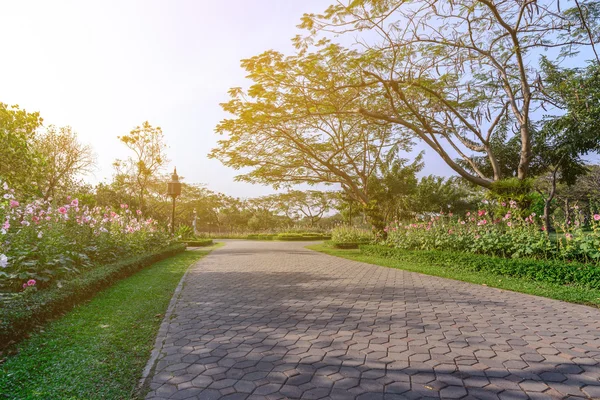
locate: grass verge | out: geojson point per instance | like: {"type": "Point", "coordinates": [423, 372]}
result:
{"type": "Point", "coordinates": [99, 349]}
{"type": "Point", "coordinates": [570, 293]}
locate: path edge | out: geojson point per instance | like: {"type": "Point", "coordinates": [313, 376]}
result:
{"type": "Point", "coordinates": [161, 335]}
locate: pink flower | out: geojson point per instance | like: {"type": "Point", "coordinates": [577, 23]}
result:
{"type": "Point", "coordinates": [62, 210]}
{"type": "Point", "coordinates": [24, 286]}
{"type": "Point", "coordinates": [450, 231]}
{"type": "Point", "coordinates": [596, 217]}
{"type": "Point", "coordinates": [469, 214]}
{"type": "Point", "coordinates": [482, 222]}
{"type": "Point", "coordinates": [14, 203]}
{"type": "Point", "coordinates": [31, 282]}
{"type": "Point", "coordinates": [139, 212]}
{"type": "Point", "coordinates": [462, 222]}
{"type": "Point", "coordinates": [6, 225]}
{"type": "Point", "coordinates": [509, 223]}
{"type": "Point", "coordinates": [503, 204]}
{"type": "Point", "coordinates": [481, 213]}
{"type": "Point", "coordinates": [68, 198]}
{"type": "Point", "coordinates": [450, 214]}
{"type": "Point", "coordinates": [568, 236]}
{"type": "Point", "coordinates": [75, 203]}
{"type": "Point", "coordinates": [508, 216]}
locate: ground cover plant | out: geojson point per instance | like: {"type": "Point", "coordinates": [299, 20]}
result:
{"type": "Point", "coordinates": [98, 350]}
{"type": "Point", "coordinates": [446, 267]}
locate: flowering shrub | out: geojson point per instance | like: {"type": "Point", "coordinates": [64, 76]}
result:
{"type": "Point", "coordinates": [503, 233]}
{"type": "Point", "coordinates": [41, 242]}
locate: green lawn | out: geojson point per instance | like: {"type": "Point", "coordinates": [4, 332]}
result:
{"type": "Point", "coordinates": [99, 349]}
{"type": "Point", "coordinates": [573, 294]}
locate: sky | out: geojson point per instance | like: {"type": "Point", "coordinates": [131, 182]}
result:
{"type": "Point", "coordinates": [104, 67]}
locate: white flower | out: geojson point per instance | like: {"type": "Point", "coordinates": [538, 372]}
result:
{"type": "Point", "coordinates": [40, 234]}
{"type": "Point", "coordinates": [3, 261]}
{"type": "Point", "coordinates": [5, 186]}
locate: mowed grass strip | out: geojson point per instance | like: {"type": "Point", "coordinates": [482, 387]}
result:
{"type": "Point", "coordinates": [570, 293]}
{"type": "Point", "coordinates": [99, 349]}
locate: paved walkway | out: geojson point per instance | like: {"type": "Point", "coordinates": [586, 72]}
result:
{"type": "Point", "coordinates": [272, 320]}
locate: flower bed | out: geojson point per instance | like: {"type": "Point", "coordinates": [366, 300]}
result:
{"type": "Point", "coordinates": [44, 244]}
{"type": "Point", "coordinates": [500, 232]}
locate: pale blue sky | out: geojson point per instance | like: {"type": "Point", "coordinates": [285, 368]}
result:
{"type": "Point", "coordinates": [104, 67]}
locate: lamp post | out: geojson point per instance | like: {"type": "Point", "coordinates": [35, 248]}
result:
{"type": "Point", "coordinates": [173, 190]}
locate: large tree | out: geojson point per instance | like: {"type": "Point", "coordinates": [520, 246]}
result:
{"type": "Point", "coordinates": [65, 160]}
{"type": "Point", "coordinates": [19, 161]}
{"type": "Point", "coordinates": [290, 128]}
{"type": "Point", "coordinates": [461, 76]}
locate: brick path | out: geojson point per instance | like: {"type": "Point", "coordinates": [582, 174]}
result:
{"type": "Point", "coordinates": [271, 320]}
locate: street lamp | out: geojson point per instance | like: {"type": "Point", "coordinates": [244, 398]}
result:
{"type": "Point", "coordinates": [173, 190]}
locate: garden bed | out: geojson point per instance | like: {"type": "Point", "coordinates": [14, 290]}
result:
{"type": "Point", "coordinates": [552, 271]}
{"type": "Point", "coordinates": [27, 311]}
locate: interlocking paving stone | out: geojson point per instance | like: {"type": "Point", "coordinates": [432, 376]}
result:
{"type": "Point", "coordinates": [260, 320]}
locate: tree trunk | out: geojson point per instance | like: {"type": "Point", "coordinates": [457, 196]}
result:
{"type": "Point", "coordinates": [547, 215]}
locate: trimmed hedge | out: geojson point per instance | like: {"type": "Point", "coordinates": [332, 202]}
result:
{"type": "Point", "coordinates": [345, 245]}
{"type": "Point", "coordinates": [198, 242]}
{"type": "Point", "coordinates": [26, 313]}
{"type": "Point", "coordinates": [552, 271]}
{"type": "Point", "coordinates": [302, 236]}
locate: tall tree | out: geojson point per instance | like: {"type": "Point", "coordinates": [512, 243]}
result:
{"type": "Point", "coordinates": [148, 159]}
{"type": "Point", "coordinates": [19, 161]}
{"type": "Point", "coordinates": [456, 75]}
{"type": "Point", "coordinates": [288, 128]}
{"type": "Point", "coordinates": [65, 159]}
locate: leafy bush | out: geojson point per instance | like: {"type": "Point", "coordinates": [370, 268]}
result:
{"type": "Point", "coordinates": [30, 308]}
{"type": "Point", "coordinates": [552, 271]}
{"type": "Point", "coordinates": [41, 243]}
{"type": "Point", "coordinates": [348, 237]}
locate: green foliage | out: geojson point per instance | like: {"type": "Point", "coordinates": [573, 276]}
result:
{"type": "Point", "coordinates": [198, 242]}
{"type": "Point", "coordinates": [20, 162]}
{"type": "Point", "coordinates": [552, 271]}
{"type": "Point", "coordinates": [21, 314]}
{"type": "Point", "coordinates": [349, 237]}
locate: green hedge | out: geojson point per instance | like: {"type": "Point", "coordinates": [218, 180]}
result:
{"type": "Point", "coordinates": [198, 242]}
{"type": "Point", "coordinates": [344, 245]}
{"type": "Point", "coordinates": [553, 271]}
{"type": "Point", "coordinates": [23, 314]}
{"type": "Point", "coordinates": [302, 236]}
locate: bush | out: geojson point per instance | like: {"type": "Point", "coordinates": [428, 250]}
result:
{"type": "Point", "coordinates": [31, 308]}
{"type": "Point", "coordinates": [198, 242]}
{"type": "Point", "coordinates": [348, 237]}
{"type": "Point", "coordinates": [552, 271]}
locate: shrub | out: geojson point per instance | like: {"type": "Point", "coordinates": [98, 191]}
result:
{"type": "Point", "coordinates": [552, 271]}
{"type": "Point", "coordinates": [198, 242]}
{"type": "Point", "coordinates": [348, 237]}
{"type": "Point", "coordinates": [30, 308]}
